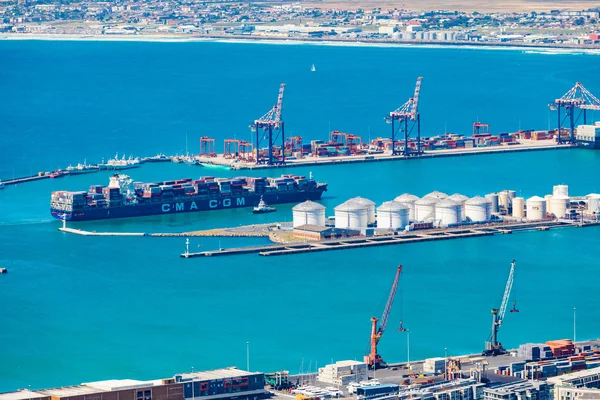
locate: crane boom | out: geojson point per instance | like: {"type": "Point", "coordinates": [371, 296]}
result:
{"type": "Point", "coordinates": [507, 290]}
{"type": "Point", "coordinates": [279, 105]}
{"type": "Point", "coordinates": [388, 307]}
{"type": "Point", "coordinates": [373, 359]}
{"type": "Point", "coordinates": [415, 100]}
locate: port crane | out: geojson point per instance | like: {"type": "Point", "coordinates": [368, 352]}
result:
{"type": "Point", "coordinates": [493, 347]}
{"type": "Point", "coordinates": [265, 126]}
{"type": "Point", "coordinates": [409, 111]}
{"type": "Point", "coordinates": [373, 359]}
{"type": "Point", "coordinates": [577, 97]}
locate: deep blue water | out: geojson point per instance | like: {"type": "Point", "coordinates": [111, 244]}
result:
{"type": "Point", "coordinates": [75, 309]}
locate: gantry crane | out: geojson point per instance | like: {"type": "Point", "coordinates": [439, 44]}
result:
{"type": "Point", "coordinates": [264, 127]}
{"type": "Point", "coordinates": [409, 111]}
{"type": "Point", "coordinates": [577, 97]}
{"type": "Point", "coordinates": [493, 347]}
{"type": "Point", "coordinates": [373, 359]}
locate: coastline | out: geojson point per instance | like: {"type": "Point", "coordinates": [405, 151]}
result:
{"type": "Point", "coordinates": [554, 49]}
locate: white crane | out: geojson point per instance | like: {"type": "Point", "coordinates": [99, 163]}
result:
{"type": "Point", "coordinates": [493, 347]}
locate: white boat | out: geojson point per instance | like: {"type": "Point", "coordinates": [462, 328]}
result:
{"type": "Point", "coordinates": [120, 164]}
{"type": "Point", "coordinates": [263, 208]}
{"type": "Point", "coordinates": [1, 185]}
{"type": "Point", "coordinates": [312, 68]}
{"type": "Point", "coordinates": [82, 168]}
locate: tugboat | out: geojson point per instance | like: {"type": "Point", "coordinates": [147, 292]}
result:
{"type": "Point", "coordinates": [263, 208]}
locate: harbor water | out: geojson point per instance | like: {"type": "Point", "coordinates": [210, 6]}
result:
{"type": "Point", "coordinates": [76, 309]}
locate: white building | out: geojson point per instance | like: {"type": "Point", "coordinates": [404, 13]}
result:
{"type": "Point", "coordinates": [578, 385]}
{"type": "Point", "coordinates": [343, 372]}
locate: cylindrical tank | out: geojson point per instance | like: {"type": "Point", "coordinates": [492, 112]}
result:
{"type": "Point", "coordinates": [370, 206]}
{"type": "Point", "coordinates": [478, 209]}
{"type": "Point", "coordinates": [559, 204]}
{"type": "Point", "coordinates": [460, 199]}
{"type": "Point", "coordinates": [547, 200]}
{"type": "Point", "coordinates": [408, 200]}
{"type": "Point", "coordinates": [536, 208]}
{"type": "Point", "coordinates": [493, 198]}
{"type": "Point", "coordinates": [425, 208]}
{"type": "Point", "coordinates": [593, 203]}
{"type": "Point", "coordinates": [503, 200]}
{"type": "Point", "coordinates": [562, 190]}
{"type": "Point", "coordinates": [437, 195]}
{"type": "Point", "coordinates": [447, 212]}
{"type": "Point", "coordinates": [511, 195]}
{"type": "Point", "coordinates": [392, 215]}
{"type": "Point", "coordinates": [518, 207]}
{"type": "Point", "coordinates": [308, 213]}
{"type": "Point", "coordinates": [351, 215]}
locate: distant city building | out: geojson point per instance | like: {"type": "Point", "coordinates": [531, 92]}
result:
{"type": "Point", "coordinates": [521, 390]}
{"type": "Point", "coordinates": [580, 385]}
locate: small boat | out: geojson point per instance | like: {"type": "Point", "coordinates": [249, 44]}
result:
{"type": "Point", "coordinates": [312, 68]}
{"type": "Point", "coordinates": [82, 168]}
{"type": "Point", "coordinates": [160, 157]}
{"type": "Point", "coordinates": [263, 208]}
{"type": "Point", "coordinates": [1, 185]}
{"type": "Point", "coordinates": [3, 271]}
{"type": "Point", "coordinates": [57, 174]}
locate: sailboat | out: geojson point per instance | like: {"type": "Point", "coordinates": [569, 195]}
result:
{"type": "Point", "coordinates": [312, 68]}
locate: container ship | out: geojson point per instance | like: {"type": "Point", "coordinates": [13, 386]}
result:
{"type": "Point", "coordinates": [123, 199]}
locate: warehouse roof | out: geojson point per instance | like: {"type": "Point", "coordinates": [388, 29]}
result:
{"type": "Point", "coordinates": [312, 228]}
{"type": "Point", "coordinates": [21, 395]}
{"type": "Point", "coordinates": [216, 374]}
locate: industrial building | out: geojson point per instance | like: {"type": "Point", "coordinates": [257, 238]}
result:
{"type": "Point", "coordinates": [221, 384]}
{"type": "Point", "coordinates": [580, 385]}
{"type": "Point", "coordinates": [521, 390]}
{"type": "Point", "coordinates": [312, 232]}
{"type": "Point", "coordinates": [343, 372]}
{"type": "Point", "coordinates": [461, 389]}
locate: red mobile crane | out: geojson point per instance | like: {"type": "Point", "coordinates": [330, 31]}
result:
{"type": "Point", "coordinates": [373, 359]}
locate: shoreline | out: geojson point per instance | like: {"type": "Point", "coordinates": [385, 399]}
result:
{"type": "Point", "coordinates": [537, 48]}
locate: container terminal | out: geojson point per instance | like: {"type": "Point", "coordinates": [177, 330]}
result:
{"type": "Point", "coordinates": [271, 148]}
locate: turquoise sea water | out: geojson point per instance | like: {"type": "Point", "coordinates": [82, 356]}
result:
{"type": "Point", "coordinates": [76, 309]}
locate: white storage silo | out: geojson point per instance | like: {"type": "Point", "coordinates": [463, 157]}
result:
{"type": "Point", "coordinates": [536, 208]}
{"type": "Point", "coordinates": [408, 200]}
{"type": "Point", "coordinates": [503, 200]}
{"type": "Point", "coordinates": [518, 207]}
{"type": "Point", "coordinates": [369, 205]}
{"type": "Point", "coordinates": [447, 212]}
{"type": "Point", "coordinates": [392, 215]}
{"type": "Point", "coordinates": [562, 190]}
{"type": "Point", "coordinates": [437, 195]}
{"type": "Point", "coordinates": [511, 195]}
{"type": "Point", "coordinates": [493, 198]}
{"type": "Point", "coordinates": [308, 213]}
{"type": "Point", "coordinates": [478, 209]}
{"type": "Point", "coordinates": [593, 203]}
{"type": "Point", "coordinates": [460, 199]}
{"type": "Point", "coordinates": [547, 200]}
{"type": "Point", "coordinates": [351, 215]}
{"type": "Point", "coordinates": [425, 208]}
{"type": "Point", "coordinates": [559, 204]}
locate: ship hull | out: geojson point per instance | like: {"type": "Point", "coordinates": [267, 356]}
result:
{"type": "Point", "coordinates": [589, 144]}
{"type": "Point", "coordinates": [193, 204]}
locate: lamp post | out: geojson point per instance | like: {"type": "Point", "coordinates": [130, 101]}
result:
{"type": "Point", "coordinates": [248, 356]}
{"type": "Point", "coordinates": [445, 363]}
{"type": "Point", "coordinates": [408, 350]}
{"type": "Point", "coordinates": [574, 324]}
{"type": "Point", "coordinates": [193, 393]}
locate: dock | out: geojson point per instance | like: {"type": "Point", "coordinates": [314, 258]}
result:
{"type": "Point", "coordinates": [385, 240]}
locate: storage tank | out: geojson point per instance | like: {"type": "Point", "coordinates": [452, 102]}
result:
{"type": "Point", "coordinates": [351, 215]}
{"type": "Point", "coordinates": [408, 200]}
{"type": "Point", "coordinates": [478, 209]}
{"type": "Point", "coordinates": [518, 207]}
{"type": "Point", "coordinates": [559, 204]}
{"type": "Point", "coordinates": [425, 208]}
{"type": "Point", "coordinates": [511, 195]}
{"type": "Point", "coordinates": [437, 195]}
{"type": "Point", "coordinates": [308, 213]}
{"type": "Point", "coordinates": [536, 208]}
{"type": "Point", "coordinates": [593, 204]}
{"type": "Point", "coordinates": [370, 206]}
{"type": "Point", "coordinates": [505, 198]}
{"type": "Point", "coordinates": [547, 199]}
{"type": "Point", "coordinates": [447, 212]}
{"type": "Point", "coordinates": [562, 190]}
{"type": "Point", "coordinates": [392, 215]}
{"type": "Point", "coordinates": [460, 199]}
{"type": "Point", "coordinates": [493, 198]}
